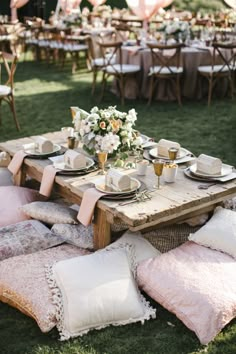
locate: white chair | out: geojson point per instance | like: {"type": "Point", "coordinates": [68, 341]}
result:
{"type": "Point", "coordinates": [112, 56]}
{"type": "Point", "coordinates": [225, 52]}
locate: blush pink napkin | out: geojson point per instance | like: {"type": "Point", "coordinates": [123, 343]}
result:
{"type": "Point", "coordinates": [16, 162]}
{"type": "Point", "coordinates": [49, 174]}
{"type": "Point", "coordinates": [90, 198]}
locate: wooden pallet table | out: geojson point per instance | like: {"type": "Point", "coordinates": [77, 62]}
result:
{"type": "Point", "coordinates": [174, 202]}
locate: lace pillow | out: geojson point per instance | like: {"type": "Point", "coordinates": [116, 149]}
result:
{"type": "Point", "coordinates": [23, 284]}
{"type": "Point", "coordinates": [196, 284]}
{"type": "Point", "coordinates": [96, 291]}
{"type": "Point", "coordinates": [142, 248]}
{"type": "Point", "coordinates": [26, 237]}
{"type": "Point", "coordinates": [78, 235]}
{"type": "Point", "coordinates": [219, 233]}
{"type": "Point", "coordinates": [50, 213]}
{"type": "Point", "coordinates": [11, 199]}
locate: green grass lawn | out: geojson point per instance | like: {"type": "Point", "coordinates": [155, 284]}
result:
{"type": "Point", "coordinates": [43, 97]}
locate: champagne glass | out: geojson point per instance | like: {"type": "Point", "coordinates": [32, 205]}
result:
{"type": "Point", "coordinates": [172, 151]}
{"type": "Point", "coordinates": [158, 168]}
{"type": "Point", "coordinates": [102, 158]}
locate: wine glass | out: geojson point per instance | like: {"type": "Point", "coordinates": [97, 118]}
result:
{"type": "Point", "coordinates": [102, 158]}
{"type": "Point", "coordinates": [172, 151]}
{"type": "Point", "coordinates": [158, 168]}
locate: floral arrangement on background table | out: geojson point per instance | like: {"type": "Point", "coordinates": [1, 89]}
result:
{"type": "Point", "coordinates": [176, 29]}
{"type": "Point", "coordinates": [107, 130]}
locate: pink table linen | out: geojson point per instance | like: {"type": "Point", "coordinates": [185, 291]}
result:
{"type": "Point", "coordinates": [90, 198]}
{"type": "Point", "coordinates": [49, 174]}
{"type": "Point", "coordinates": [16, 162]}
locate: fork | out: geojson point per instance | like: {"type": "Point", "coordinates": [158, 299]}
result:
{"type": "Point", "coordinates": [206, 186]}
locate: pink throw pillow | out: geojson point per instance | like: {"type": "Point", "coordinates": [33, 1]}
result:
{"type": "Point", "coordinates": [11, 199]}
{"type": "Point", "coordinates": [196, 283]}
{"type": "Point", "coordinates": [23, 283]}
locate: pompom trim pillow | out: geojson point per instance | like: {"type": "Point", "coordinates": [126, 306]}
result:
{"type": "Point", "coordinates": [23, 284]}
{"type": "Point", "coordinates": [105, 294]}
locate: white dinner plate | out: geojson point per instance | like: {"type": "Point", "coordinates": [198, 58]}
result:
{"type": "Point", "coordinates": [154, 153]}
{"type": "Point", "coordinates": [63, 167]}
{"type": "Point", "coordinates": [135, 185]}
{"type": "Point", "coordinates": [225, 170]}
{"type": "Point", "coordinates": [32, 151]}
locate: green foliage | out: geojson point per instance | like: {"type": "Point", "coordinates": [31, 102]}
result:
{"type": "Point", "coordinates": [199, 5]}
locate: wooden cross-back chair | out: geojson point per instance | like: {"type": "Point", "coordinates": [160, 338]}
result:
{"type": "Point", "coordinates": [8, 62]}
{"type": "Point", "coordinates": [112, 56]}
{"type": "Point", "coordinates": [166, 65]}
{"type": "Point", "coordinates": [225, 53]}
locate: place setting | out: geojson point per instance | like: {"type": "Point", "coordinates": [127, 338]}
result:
{"type": "Point", "coordinates": [210, 169]}
{"type": "Point", "coordinates": [169, 151]}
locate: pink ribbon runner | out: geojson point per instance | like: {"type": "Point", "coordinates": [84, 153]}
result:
{"type": "Point", "coordinates": [49, 174]}
{"type": "Point", "coordinates": [90, 198]}
{"type": "Point", "coordinates": [16, 162]}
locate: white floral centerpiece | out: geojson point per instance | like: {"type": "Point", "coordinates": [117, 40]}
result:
{"type": "Point", "coordinates": [107, 130]}
{"type": "Point", "coordinates": [175, 29]}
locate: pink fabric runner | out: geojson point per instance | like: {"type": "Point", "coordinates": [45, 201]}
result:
{"type": "Point", "coordinates": [16, 162]}
{"type": "Point", "coordinates": [90, 198]}
{"type": "Point", "coordinates": [47, 182]}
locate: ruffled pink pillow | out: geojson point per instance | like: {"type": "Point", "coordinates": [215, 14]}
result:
{"type": "Point", "coordinates": [11, 199]}
{"type": "Point", "coordinates": [196, 283]}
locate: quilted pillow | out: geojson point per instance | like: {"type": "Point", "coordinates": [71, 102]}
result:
{"type": "Point", "coordinates": [23, 283]}
{"type": "Point", "coordinates": [26, 237]}
{"type": "Point", "coordinates": [11, 199]}
{"type": "Point", "coordinates": [219, 233]}
{"type": "Point", "coordinates": [142, 248]}
{"type": "Point", "coordinates": [196, 283]}
{"type": "Point", "coordinates": [96, 291]}
{"type": "Point", "coordinates": [51, 213]}
{"type": "Point", "coordinates": [78, 235]}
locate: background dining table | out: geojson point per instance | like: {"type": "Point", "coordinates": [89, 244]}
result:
{"type": "Point", "coordinates": [191, 87]}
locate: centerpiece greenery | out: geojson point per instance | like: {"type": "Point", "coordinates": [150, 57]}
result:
{"type": "Point", "coordinates": [107, 130]}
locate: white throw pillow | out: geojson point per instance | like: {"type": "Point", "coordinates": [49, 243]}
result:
{"type": "Point", "coordinates": [142, 248]}
{"type": "Point", "coordinates": [219, 232]}
{"type": "Point", "coordinates": [96, 292]}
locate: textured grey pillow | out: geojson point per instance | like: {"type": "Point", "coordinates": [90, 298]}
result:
{"type": "Point", "coordinates": [50, 213]}
{"type": "Point", "coordinates": [78, 235]}
{"type": "Point", "coordinates": [26, 237]}
{"type": "Point", "coordinates": [5, 177]}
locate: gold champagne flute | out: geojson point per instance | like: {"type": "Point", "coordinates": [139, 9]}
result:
{"type": "Point", "coordinates": [102, 158]}
{"type": "Point", "coordinates": [158, 168]}
{"type": "Point", "coordinates": [172, 151]}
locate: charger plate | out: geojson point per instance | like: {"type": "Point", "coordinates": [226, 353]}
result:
{"type": "Point", "coordinates": [64, 168]}
{"type": "Point", "coordinates": [225, 170]}
{"type": "Point", "coordinates": [35, 153]}
{"type": "Point", "coordinates": [182, 153]}
{"type": "Point", "coordinates": [135, 185]}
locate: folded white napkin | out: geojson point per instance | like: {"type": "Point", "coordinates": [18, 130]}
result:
{"type": "Point", "coordinates": [74, 159]}
{"type": "Point", "coordinates": [117, 180]}
{"type": "Point", "coordinates": [163, 146]}
{"type": "Point", "coordinates": [43, 145]}
{"type": "Point", "coordinates": [208, 164]}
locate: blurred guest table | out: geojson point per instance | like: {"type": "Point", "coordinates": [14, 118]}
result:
{"type": "Point", "coordinates": [192, 57]}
